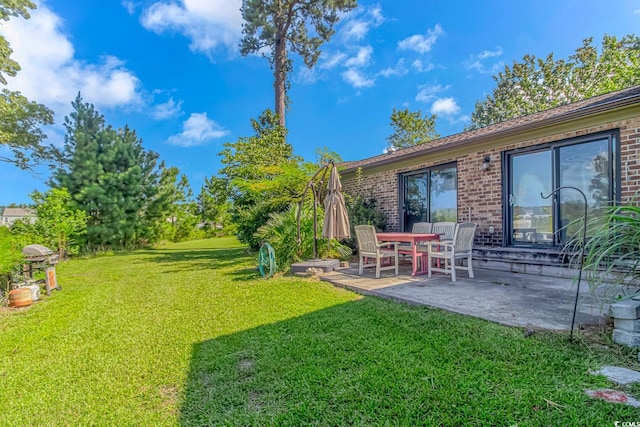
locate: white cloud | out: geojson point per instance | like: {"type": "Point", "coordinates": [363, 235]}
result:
{"type": "Point", "coordinates": [428, 92]}
{"type": "Point", "coordinates": [355, 30]}
{"type": "Point", "coordinates": [356, 79]}
{"type": "Point", "coordinates": [420, 66]}
{"type": "Point", "coordinates": [198, 129]}
{"type": "Point", "coordinates": [208, 24]}
{"type": "Point", "coordinates": [419, 42]}
{"type": "Point", "coordinates": [475, 62]}
{"type": "Point", "coordinates": [333, 60]}
{"type": "Point", "coordinates": [362, 58]}
{"type": "Point", "coordinates": [445, 107]}
{"type": "Point", "coordinates": [398, 70]}
{"type": "Point", "coordinates": [348, 58]}
{"type": "Point", "coordinates": [51, 74]}
{"type": "Point", "coordinates": [306, 75]}
{"type": "Point", "coordinates": [376, 15]}
{"type": "Point", "coordinates": [490, 53]}
{"type": "Point", "coordinates": [463, 119]}
{"type": "Point", "coordinates": [130, 6]}
{"type": "Point", "coordinates": [356, 24]}
{"type": "Point", "coordinates": [167, 110]}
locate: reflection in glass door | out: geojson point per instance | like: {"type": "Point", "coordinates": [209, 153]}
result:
{"type": "Point", "coordinates": [584, 166]}
{"type": "Point", "coordinates": [589, 164]}
{"type": "Point", "coordinates": [429, 195]}
{"type": "Point", "coordinates": [415, 199]}
{"type": "Point", "coordinates": [444, 195]}
{"type": "Point", "coordinates": [531, 215]}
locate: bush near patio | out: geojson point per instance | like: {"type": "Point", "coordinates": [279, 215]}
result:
{"type": "Point", "coordinates": [613, 249]}
{"type": "Point", "coordinates": [57, 225]}
{"type": "Point", "coordinates": [190, 334]}
{"type": "Point", "coordinates": [363, 210]}
{"type": "Point", "coordinates": [10, 260]}
{"type": "Point", "coordinates": [281, 232]}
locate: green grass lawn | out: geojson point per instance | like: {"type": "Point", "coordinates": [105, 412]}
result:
{"type": "Point", "coordinates": [189, 334]}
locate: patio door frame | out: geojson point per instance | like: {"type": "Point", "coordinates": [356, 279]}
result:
{"type": "Point", "coordinates": [613, 137]}
{"type": "Point", "coordinates": [426, 171]}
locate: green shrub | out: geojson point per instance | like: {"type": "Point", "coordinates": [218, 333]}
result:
{"type": "Point", "coordinates": [281, 231]}
{"type": "Point", "coordinates": [363, 211]}
{"type": "Point", "coordinates": [25, 233]}
{"type": "Point", "coordinates": [10, 258]}
{"type": "Point", "coordinates": [249, 219]}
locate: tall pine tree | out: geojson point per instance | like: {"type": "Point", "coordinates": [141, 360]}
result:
{"type": "Point", "coordinates": [111, 177]}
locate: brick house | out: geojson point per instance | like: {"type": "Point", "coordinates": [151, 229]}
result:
{"type": "Point", "coordinates": [494, 176]}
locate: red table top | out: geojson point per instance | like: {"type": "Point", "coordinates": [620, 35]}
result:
{"type": "Point", "coordinates": [406, 237]}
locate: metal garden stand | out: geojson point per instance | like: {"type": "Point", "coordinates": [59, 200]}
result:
{"type": "Point", "coordinates": [584, 240]}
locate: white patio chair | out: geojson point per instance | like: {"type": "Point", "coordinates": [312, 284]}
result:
{"type": "Point", "coordinates": [418, 227]}
{"type": "Point", "coordinates": [461, 247]}
{"type": "Point", "coordinates": [369, 248]}
{"type": "Point", "coordinates": [422, 227]}
{"type": "Point", "coordinates": [445, 230]}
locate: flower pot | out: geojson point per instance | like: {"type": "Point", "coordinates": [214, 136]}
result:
{"type": "Point", "coordinates": [20, 297]}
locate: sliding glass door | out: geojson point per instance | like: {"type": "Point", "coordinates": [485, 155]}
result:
{"type": "Point", "coordinates": [587, 164]}
{"type": "Point", "coordinates": [443, 195]}
{"type": "Point", "coordinates": [531, 214]}
{"type": "Point", "coordinates": [415, 199]}
{"type": "Point", "coordinates": [588, 167]}
{"type": "Point", "coordinates": [429, 196]}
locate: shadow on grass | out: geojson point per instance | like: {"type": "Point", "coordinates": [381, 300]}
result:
{"type": "Point", "coordinates": [177, 260]}
{"type": "Point", "coordinates": [373, 362]}
{"type": "Point", "coordinates": [249, 273]}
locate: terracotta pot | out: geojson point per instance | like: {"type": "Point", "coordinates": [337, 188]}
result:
{"type": "Point", "coordinates": [20, 297]}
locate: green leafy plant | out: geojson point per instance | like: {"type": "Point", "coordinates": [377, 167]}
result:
{"type": "Point", "coordinates": [281, 231]}
{"type": "Point", "coordinates": [411, 128]}
{"type": "Point", "coordinates": [10, 258]}
{"type": "Point", "coordinates": [261, 175]}
{"type": "Point", "coordinates": [363, 211]}
{"type": "Point", "coordinates": [58, 226]}
{"type": "Point", "coordinates": [249, 219]}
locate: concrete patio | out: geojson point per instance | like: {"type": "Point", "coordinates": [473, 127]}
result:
{"type": "Point", "coordinates": [513, 299]}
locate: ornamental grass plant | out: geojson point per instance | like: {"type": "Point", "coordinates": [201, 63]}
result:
{"type": "Point", "coordinates": [612, 251]}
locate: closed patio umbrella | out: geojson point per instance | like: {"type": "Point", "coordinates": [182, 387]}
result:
{"type": "Point", "coordinates": [336, 219]}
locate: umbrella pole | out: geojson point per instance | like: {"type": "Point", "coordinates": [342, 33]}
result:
{"type": "Point", "coordinates": [310, 185]}
{"type": "Point", "coordinates": [315, 222]}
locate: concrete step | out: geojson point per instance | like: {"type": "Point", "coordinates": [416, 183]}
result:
{"type": "Point", "coordinates": [539, 261]}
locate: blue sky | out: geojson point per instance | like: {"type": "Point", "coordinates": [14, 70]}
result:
{"type": "Point", "coordinates": [171, 70]}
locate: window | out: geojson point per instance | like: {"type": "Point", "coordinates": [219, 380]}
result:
{"type": "Point", "coordinates": [589, 164]}
{"type": "Point", "coordinates": [429, 195]}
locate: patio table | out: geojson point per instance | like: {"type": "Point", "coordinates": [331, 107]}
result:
{"type": "Point", "coordinates": [414, 239]}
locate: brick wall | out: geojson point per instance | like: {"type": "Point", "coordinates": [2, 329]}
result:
{"type": "Point", "coordinates": [480, 191]}
{"type": "Point", "coordinates": [629, 158]}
